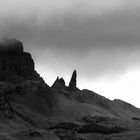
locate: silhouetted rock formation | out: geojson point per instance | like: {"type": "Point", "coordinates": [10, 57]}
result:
{"type": "Point", "coordinates": [59, 84]}
{"type": "Point", "coordinates": [72, 84]}
{"type": "Point", "coordinates": [19, 82]}
{"type": "Point", "coordinates": [15, 64]}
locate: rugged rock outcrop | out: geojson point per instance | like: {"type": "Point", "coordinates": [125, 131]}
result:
{"type": "Point", "coordinates": [19, 82]}
{"type": "Point", "coordinates": [15, 64]}
{"type": "Point", "coordinates": [72, 84]}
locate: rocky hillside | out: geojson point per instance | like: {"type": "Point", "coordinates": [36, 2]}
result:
{"type": "Point", "coordinates": [82, 102]}
{"type": "Point", "coordinates": [30, 109]}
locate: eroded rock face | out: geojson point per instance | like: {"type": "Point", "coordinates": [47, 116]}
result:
{"type": "Point", "coordinates": [15, 64]}
{"type": "Point", "coordinates": [72, 84]}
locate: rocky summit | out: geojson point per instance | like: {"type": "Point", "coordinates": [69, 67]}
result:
{"type": "Point", "coordinates": [11, 46]}
{"type": "Point", "coordinates": [15, 64]}
{"type": "Point", "coordinates": [31, 110]}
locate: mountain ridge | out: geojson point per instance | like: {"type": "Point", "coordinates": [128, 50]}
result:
{"type": "Point", "coordinates": [28, 103]}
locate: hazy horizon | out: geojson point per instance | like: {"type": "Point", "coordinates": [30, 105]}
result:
{"type": "Point", "coordinates": [100, 39]}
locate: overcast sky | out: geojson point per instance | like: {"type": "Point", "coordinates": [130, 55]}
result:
{"type": "Point", "coordinates": [98, 38]}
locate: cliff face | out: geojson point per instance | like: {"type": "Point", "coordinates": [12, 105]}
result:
{"type": "Point", "coordinates": [19, 82]}
{"type": "Point", "coordinates": [15, 64]}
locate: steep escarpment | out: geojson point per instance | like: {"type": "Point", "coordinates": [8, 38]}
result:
{"type": "Point", "coordinates": [23, 93]}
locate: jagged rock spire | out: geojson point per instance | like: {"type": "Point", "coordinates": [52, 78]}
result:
{"type": "Point", "coordinates": [59, 83]}
{"type": "Point", "coordinates": [73, 81]}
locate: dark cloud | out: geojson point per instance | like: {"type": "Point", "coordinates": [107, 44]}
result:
{"type": "Point", "coordinates": [119, 29]}
{"type": "Point", "coordinates": [96, 45]}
